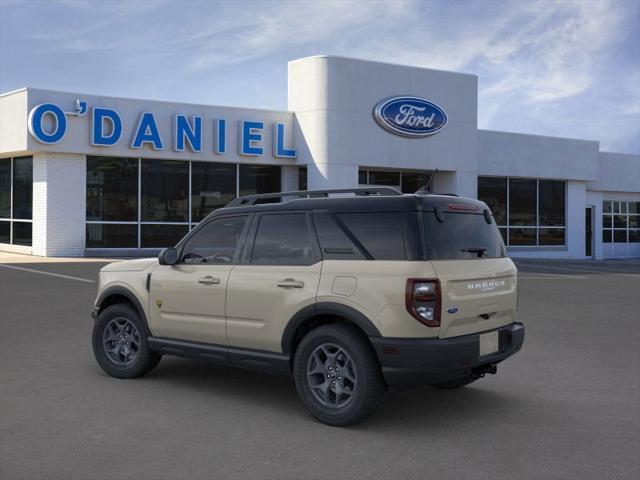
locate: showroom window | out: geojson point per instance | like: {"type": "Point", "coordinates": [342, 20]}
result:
{"type": "Point", "coordinates": [620, 222]}
{"type": "Point", "coordinates": [406, 182]}
{"type": "Point", "coordinates": [142, 203]}
{"type": "Point", "coordinates": [302, 178]}
{"type": "Point", "coordinates": [16, 200]}
{"type": "Point", "coordinates": [528, 211]}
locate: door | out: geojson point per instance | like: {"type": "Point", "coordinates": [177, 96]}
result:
{"type": "Point", "coordinates": [187, 300]}
{"type": "Point", "coordinates": [279, 275]}
{"type": "Point", "coordinates": [588, 232]}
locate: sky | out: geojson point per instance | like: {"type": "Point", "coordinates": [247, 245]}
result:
{"type": "Point", "coordinates": [568, 68]}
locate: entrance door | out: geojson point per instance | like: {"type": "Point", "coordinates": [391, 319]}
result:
{"type": "Point", "coordinates": [588, 232]}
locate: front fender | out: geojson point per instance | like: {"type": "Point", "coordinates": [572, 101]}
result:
{"type": "Point", "coordinates": [122, 290]}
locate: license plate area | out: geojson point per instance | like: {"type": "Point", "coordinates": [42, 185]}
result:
{"type": "Point", "coordinates": [489, 343]}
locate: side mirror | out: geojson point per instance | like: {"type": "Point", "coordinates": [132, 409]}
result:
{"type": "Point", "coordinates": [168, 256]}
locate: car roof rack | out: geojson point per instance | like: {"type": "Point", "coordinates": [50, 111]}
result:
{"type": "Point", "coordinates": [248, 200]}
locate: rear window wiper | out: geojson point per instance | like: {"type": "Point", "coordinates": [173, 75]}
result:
{"type": "Point", "coordinates": [477, 250]}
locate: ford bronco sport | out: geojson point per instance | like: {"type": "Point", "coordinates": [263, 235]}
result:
{"type": "Point", "coordinates": [350, 295]}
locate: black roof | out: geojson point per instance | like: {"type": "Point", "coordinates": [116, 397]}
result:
{"type": "Point", "coordinates": [389, 201]}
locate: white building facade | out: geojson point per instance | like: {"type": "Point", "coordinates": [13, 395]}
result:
{"type": "Point", "coordinates": [93, 175]}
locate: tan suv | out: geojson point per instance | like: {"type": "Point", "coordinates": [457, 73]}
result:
{"type": "Point", "coordinates": [350, 292]}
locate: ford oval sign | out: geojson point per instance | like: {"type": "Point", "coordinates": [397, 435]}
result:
{"type": "Point", "coordinates": [410, 116]}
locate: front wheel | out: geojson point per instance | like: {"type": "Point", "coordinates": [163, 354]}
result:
{"type": "Point", "coordinates": [120, 343]}
{"type": "Point", "coordinates": [337, 375]}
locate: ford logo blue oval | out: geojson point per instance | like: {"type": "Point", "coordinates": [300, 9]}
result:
{"type": "Point", "coordinates": [410, 116]}
{"type": "Point", "coordinates": [452, 310]}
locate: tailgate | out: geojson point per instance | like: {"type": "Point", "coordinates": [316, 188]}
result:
{"type": "Point", "coordinates": [477, 295]}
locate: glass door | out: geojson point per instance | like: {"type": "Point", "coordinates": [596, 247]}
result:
{"type": "Point", "coordinates": [588, 232]}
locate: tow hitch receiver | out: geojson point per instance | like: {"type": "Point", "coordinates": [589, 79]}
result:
{"type": "Point", "coordinates": [482, 370]}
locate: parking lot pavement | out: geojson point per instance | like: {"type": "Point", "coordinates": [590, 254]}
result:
{"type": "Point", "coordinates": [566, 407]}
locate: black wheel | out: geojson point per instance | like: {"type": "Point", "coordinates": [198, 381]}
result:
{"type": "Point", "coordinates": [337, 375]}
{"type": "Point", "coordinates": [120, 343]}
{"type": "Point", "coordinates": [456, 383]}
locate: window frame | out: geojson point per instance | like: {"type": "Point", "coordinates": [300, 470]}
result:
{"type": "Point", "coordinates": [12, 219]}
{"type": "Point", "coordinates": [247, 254]}
{"type": "Point", "coordinates": [190, 223]}
{"type": "Point", "coordinates": [538, 226]}
{"type": "Point", "coordinates": [618, 208]}
{"type": "Point", "coordinates": [366, 171]}
{"type": "Point", "coordinates": [242, 242]}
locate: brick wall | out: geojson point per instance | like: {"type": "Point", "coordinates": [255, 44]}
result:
{"type": "Point", "coordinates": [59, 198]}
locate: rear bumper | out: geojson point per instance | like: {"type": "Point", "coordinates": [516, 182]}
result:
{"type": "Point", "coordinates": [416, 362]}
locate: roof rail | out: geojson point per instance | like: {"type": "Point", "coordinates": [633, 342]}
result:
{"type": "Point", "coordinates": [254, 199]}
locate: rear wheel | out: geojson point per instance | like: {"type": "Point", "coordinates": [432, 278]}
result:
{"type": "Point", "coordinates": [120, 343]}
{"type": "Point", "coordinates": [337, 375]}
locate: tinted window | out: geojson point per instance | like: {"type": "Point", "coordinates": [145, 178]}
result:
{"type": "Point", "coordinates": [551, 198]}
{"type": "Point", "coordinates": [551, 236]}
{"type": "Point", "coordinates": [522, 236]}
{"type": "Point", "coordinates": [112, 189]}
{"type": "Point", "coordinates": [5, 232]}
{"type": "Point", "coordinates": [22, 233]}
{"type": "Point", "coordinates": [22, 194]}
{"type": "Point", "coordinates": [493, 192]}
{"type": "Point", "coordinates": [619, 236]}
{"type": "Point", "coordinates": [461, 236]}
{"type": "Point", "coordinates": [379, 233]}
{"type": "Point", "coordinates": [412, 182]}
{"type": "Point", "coordinates": [5, 188]}
{"type": "Point", "coordinates": [522, 202]}
{"type": "Point", "coordinates": [259, 179]}
{"type": "Point", "coordinates": [302, 178]}
{"type": "Point", "coordinates": [165, 188]}
{"type": "Point", "coordinates": [159, 236]}
{"type": "Point", "coordinates": [213, 185]}
{"type": "Point", "coordinates": [334, 242]}
{"type": "Point", "coordinates": [112, 235]}
{"type": "Point", "coordinates": [215, 242]}
{"type": "Point", "coordinates": [283, 239]}
{"type": "Point", "coordinates": [378, 177]}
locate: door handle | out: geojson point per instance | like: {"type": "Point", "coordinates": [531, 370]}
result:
{"type": "Point", "coordinates": [290, 283]}
{"type": "Point", "coordinates": [209, 280]}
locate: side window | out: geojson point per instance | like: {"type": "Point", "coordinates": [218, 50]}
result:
{"type": "Point", "coordinates": [334, 242]}
{"type": "Point", "coordinates": [283, 239]}
{"type": "Point", "coordinates": [379, 233]}
{"type": "Point", "coordinates": [217, 242]}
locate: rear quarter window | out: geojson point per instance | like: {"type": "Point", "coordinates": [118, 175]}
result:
{"type": "Point", "coordinates": [380, 233]}
{"type": "Point", "coordinates": [462, 236]}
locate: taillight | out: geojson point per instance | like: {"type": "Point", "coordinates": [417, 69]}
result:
{"type": "Point", "coordinates": [422, 298]}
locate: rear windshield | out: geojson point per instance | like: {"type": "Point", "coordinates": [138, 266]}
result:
{"type": "Point", "coordinates": [462, 236]}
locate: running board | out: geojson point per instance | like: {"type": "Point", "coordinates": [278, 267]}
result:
{"type": "Point", "coordinates": [260, 360]}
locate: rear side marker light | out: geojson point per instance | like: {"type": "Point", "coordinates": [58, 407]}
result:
{"type": "Point", "coordinates": [423, 300]}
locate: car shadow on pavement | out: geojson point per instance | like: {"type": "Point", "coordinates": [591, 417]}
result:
{"type": "Point", "coordinates": [404, 411]}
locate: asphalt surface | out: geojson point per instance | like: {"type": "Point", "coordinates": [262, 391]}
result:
{"type": "Point", "coordinates": [566, 407]}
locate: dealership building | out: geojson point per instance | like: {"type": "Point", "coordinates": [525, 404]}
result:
{"type": "Point", "coordinates": [88, 175]}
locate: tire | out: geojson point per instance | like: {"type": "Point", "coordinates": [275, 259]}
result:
{"type": "Point", "coordinates": [457, 383]}
{"type": "Point", "coordinates": [340, 354]}
{"type": "Point", "coordinates": [120, 327]}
